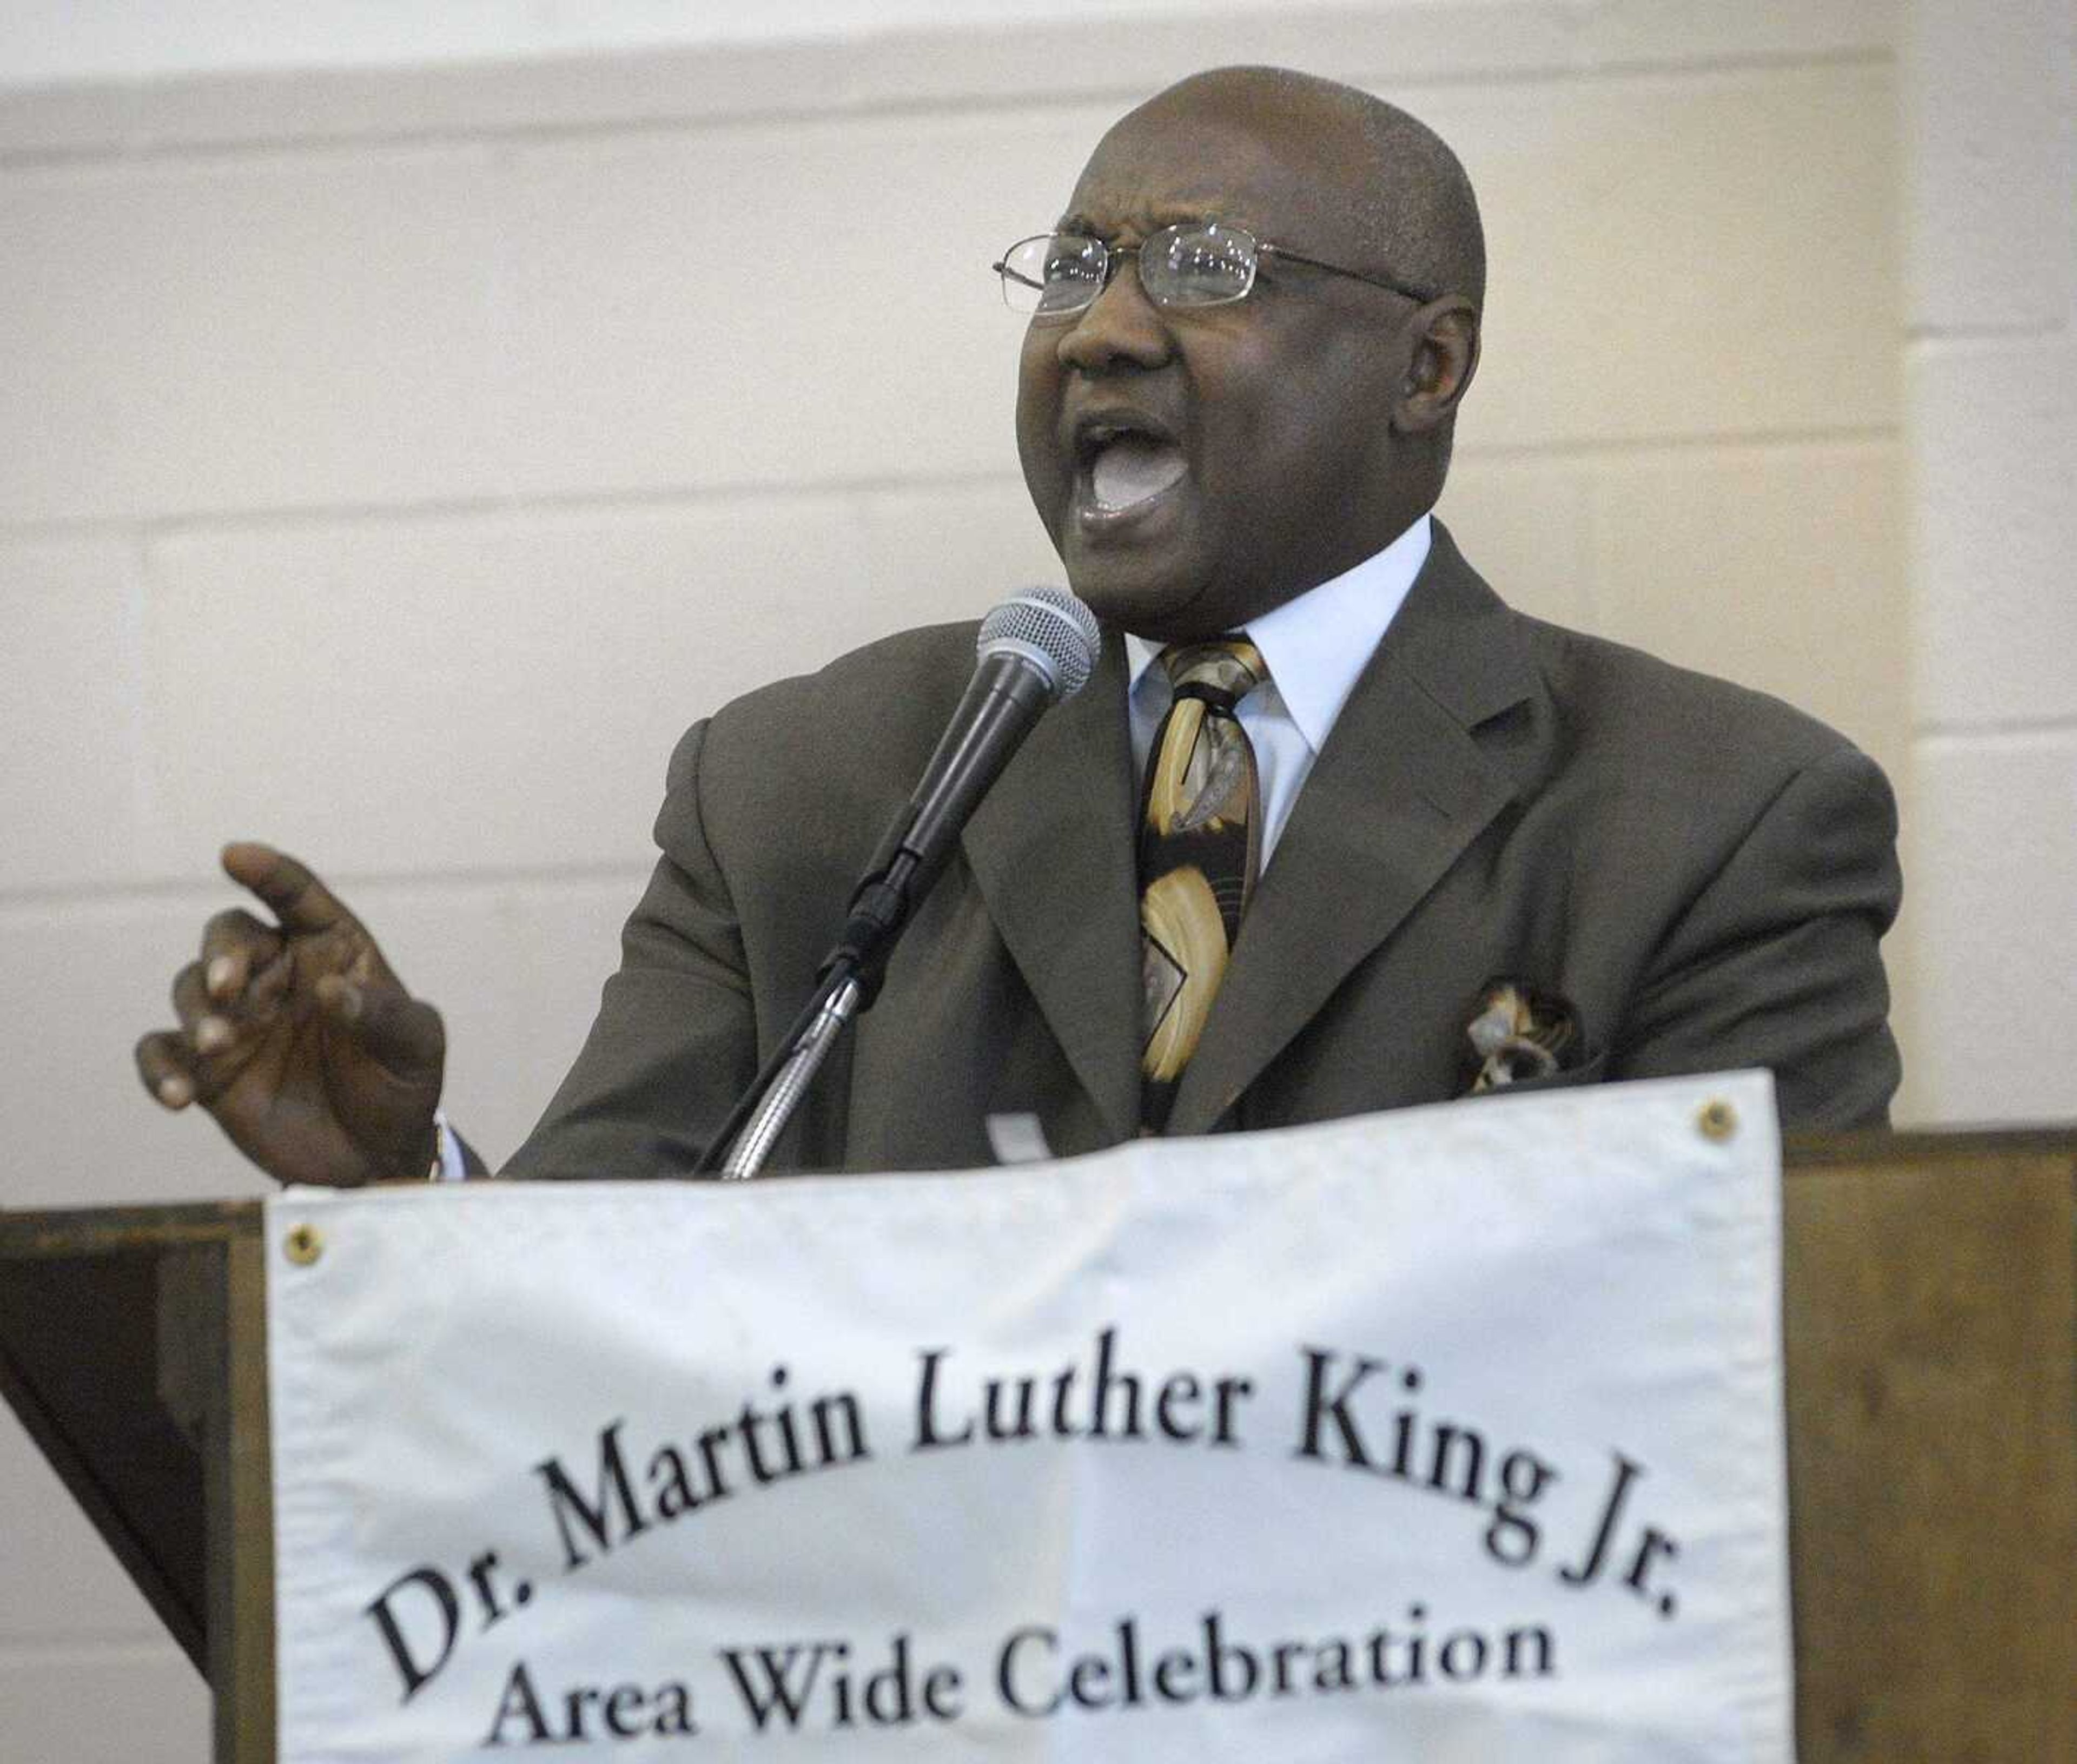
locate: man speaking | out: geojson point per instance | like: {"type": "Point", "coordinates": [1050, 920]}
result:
{"type": "Point", "coordinates": [1330, 831]}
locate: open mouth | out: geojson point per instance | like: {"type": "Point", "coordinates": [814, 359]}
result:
{"type": "Point", "coordinates": [1125, 465]}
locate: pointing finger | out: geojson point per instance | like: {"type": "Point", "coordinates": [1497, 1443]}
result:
{"type": "Point", "coordinates": [299, 900]}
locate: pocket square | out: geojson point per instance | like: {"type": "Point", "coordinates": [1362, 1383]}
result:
{"type": "Point", "coordinates": [1517, 1032]}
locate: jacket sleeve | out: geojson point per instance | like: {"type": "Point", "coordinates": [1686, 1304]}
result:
{"type": "Point", "coordinates": [1775, 963]}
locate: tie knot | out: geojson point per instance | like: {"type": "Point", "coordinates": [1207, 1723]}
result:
{"type": "Point", "coordinates": [1223, 671]}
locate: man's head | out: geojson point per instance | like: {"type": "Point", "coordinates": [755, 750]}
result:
{"type": "Point", "coordinates": [1198, 465]}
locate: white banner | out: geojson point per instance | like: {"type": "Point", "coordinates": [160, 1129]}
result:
{"type": "Point", "coordinates": [1453, 1434]}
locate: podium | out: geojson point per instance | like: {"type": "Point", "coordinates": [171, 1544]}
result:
{"type": "Point", "coordinates": [1930, 1298]}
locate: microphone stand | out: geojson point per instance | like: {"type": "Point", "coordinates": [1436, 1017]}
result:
{"type": "Point", "coordinates": [831, 1009]}
{"type": "Point", "coordinates": [847, 984]}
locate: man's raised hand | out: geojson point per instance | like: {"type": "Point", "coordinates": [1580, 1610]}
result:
{"type": "Point", "coordinates": [299, 1039]}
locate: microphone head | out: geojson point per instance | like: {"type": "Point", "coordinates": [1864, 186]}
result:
{"type": "Point", "coordinates": [1049, 628]}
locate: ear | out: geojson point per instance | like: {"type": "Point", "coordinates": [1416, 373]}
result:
{"type": "Point", "coordinates": [1442, 357]}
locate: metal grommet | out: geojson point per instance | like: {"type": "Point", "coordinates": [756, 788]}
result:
{"type": "Point", "coordinates": [304, 1245]}
{"type": "Point", "coordinates": [1716, 1119]}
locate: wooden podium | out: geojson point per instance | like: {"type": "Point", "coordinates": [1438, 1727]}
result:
{"type": "Point", "coordinates": [1930, 1291]}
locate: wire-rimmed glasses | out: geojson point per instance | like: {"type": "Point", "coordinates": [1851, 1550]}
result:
{"type": "Point", "coordinates": [1194, 263]}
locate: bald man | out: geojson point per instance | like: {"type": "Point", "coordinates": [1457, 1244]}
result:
{"type": "Point", "coordinates": [1430, 845]}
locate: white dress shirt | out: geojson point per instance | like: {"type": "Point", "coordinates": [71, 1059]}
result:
{"type": "Point", "coordinates": [1315, 646]}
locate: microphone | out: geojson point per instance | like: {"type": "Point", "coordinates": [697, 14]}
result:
{"type": "Point", "coordinates": [1038, 648]}
{"type": "Point", "coordinates": [1035, 649]}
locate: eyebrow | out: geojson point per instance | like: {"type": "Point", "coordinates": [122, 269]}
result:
{"type": "Point", "coordinates": [1173, 217]}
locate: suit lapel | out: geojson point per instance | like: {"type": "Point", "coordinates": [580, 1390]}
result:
{"type": "Point", "coordinates": [1050, 849]}
{"type": "Point", "coordinates": [1401, 788]}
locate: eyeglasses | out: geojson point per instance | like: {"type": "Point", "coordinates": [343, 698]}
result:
{"type": "Point", "coordinates": [1197, 263]}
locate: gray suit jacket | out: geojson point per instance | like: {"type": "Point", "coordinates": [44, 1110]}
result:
{"type": "Point", "coordinates": [1702, 870]}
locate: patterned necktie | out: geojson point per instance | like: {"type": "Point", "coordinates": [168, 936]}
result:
{"type": "Point", "coordinates": [1200, 849]}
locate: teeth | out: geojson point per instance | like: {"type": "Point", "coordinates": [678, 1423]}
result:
{"type": "Point", "coordinates": [1133, 469]}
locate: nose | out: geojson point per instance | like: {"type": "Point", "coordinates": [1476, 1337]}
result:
{"type": "Point", "coordinates": [1120, 328]}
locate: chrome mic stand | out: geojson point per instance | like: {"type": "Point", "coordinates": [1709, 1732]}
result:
{"type": "Point", "coordinates": [776, 1107]}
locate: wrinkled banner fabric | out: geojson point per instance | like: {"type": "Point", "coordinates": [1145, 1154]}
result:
{"type": "Point", "coordinates": [1454, 1435]}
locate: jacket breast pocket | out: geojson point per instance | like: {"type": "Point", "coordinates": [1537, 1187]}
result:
{"type": "Point", "coordinates": [1588, 1072]}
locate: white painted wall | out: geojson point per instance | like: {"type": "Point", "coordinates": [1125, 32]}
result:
{"type": "Point", "coordinates": [1991, 379]}
{"type": "Point", "coordinates": [47, 41]}
{"type": "Point", "coordinates": [381, 470]}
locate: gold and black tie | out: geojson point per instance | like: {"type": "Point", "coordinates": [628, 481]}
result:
{"type": "Point", "coordinates": [1200, 851]}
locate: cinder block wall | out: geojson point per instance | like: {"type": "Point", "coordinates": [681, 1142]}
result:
{"type": "Point", "coordinates": [393, 463]}
{"type": "Point", "coordinates": [1991, 379]}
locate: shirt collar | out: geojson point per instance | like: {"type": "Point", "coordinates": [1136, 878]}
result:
{"type": "Point", "coordinates": [1317, 645]}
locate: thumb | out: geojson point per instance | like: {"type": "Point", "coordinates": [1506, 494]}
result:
{"type": "Point", "coordinates": [402, 1033]}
